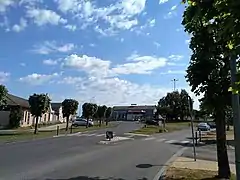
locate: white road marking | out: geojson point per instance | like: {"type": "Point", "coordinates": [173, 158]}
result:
{"type": "Point", "coordinates": [185, 142]}
{"type": "Point", "coordinates": [171, 141]}
{"type": "Point", "coordinates": [150, 138]}
{"type": "Point", "coordinates": [100, 135]}
{"type": "Point", "coordinates": [161, 140]}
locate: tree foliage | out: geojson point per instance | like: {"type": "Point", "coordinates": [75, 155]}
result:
{"type": "Point", "coordinates": [174, 105]}
{"type": "Point", "coordinates": [69, 107]}
{"type": "Point", "coordinates": [88, 111]}
{"type": "Point", "coordinates": [3, 95]}
{"type": "Point", "coordinates": [108, 114]}
{"type": "Point", "coordinates": [101, 112]}
{"type": "Point", "coordinates": [39, 104]}
{"type": "Point", "coordinates": [214, 26]}
{"type": "Point", "coordinates": [15, 116]}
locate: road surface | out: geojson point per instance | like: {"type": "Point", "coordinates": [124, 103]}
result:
{"type": "Point", "coordinates": [81, 157]}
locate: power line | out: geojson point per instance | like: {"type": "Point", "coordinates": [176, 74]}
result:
{"type": "Point", "coordinates": [174, 83]}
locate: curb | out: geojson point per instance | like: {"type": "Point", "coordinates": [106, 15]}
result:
{"type": "Point", "coordinates": [161, 173]}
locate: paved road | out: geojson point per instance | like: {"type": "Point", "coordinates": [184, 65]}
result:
{"type": "Point", "coordinates": [81, 157]}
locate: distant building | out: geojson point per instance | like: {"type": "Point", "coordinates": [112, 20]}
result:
{"type": "Point", "coordinates": [133, 112]}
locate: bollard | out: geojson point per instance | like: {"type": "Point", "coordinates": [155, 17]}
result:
{"type": "Point", "coordinates": [57, 130]}
{"type": "Point", "coordinates": [196, 135]}
{"type": "Point", "coordinates": [71, 129]}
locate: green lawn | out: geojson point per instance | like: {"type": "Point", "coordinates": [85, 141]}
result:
{"type": "Point", "coordinates": [149, 129]}
{"type": "Point", "coordinates": [21, 135]}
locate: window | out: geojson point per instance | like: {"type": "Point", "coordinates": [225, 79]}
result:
{"type": "Point", "coordinates": [45, 117]}
{"type": "Point", "coordinates": [28, 117]}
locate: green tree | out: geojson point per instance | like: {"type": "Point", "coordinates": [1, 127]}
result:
{"type": "Point", "coordinates": [208, 72]}
{"type": "Point", "coordinates": [3, 95]}
{"type": "Point", "coordinates": [88, 111]}
{"type": "Point", "coordinates": [184, 104]}
{"type": "Point", "coordinates": [101, 112]}
{"type": "Point", "coordinates": [69, 107]}
{"type": "Point", "coordinates": [15, 116]}
{"type": "Point", "coordinates": [39, 104]}
{"type": "Point", "coordinates": [108, 115]}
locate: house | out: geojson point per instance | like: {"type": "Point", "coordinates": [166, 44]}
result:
{"type": "Point", "coordinates": [57, 108]}
{"type": "Point", "coordinates": [133, 112]}
{"type": "Point", "coordinates": [28, 119]}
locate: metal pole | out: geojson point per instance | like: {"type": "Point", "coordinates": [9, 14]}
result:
{"type": "Point", "coordinates": [174, 84]}
{"type": "Point", "coordinates": [190, 112]}
{"type": "Point", "coordinates": [236, 117]}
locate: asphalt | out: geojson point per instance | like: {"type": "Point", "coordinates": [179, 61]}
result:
{"type": "Point", "coordinates": [83, 158]}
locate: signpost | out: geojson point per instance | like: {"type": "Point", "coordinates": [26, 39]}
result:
{"type": "Point", "coordinates": [190, 112]}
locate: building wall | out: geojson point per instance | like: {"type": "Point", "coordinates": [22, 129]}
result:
{"type": "Point", "coordinates": [4, 118]}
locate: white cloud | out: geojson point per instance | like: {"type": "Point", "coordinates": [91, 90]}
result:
{"type": "Point", "coordinates": [38, 79]}
{"type": "Point", "coordinates": [71, 27]}
{"type": "Point", "coordinates": [170, 15]}
{"type": "Point", "coordinates": [175, 72]}
{"type": "Point", "coordinates": [52, 46]}
{"type": "Point", "coordinates": [4, 4]}
{"type": "Point", "coordinates": [162, 1]}
{"type": "Point", "coordinates": [4, 76]}
{"type": "Point", "coordinates": [118, 16]}
{"type": "Point", "coordinates": [45, 16]}
{"type": "Point", "coordinates": [91, 65]}
{"type": "Point", "coordinates": [140, 65]}
{"type": "Point", "coordinates": [92, 45]}
{"type": "Point", "coordinates": [175, 57]}
{"type": "Point", "coordinates": [98, 67]}
{"type": "Point", "coordinates": [173, 8]}
{"type": "Point", "coordinates": [70, 80]}
{"type": "Point", "coordinates": [50, 62]}
{"type": "Point", "coordinates": [21, 26]}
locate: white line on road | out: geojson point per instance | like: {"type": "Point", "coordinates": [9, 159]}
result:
{"type": "Point", "coordinates": [100, 135]}
{"type": "Point", "coordinates": [171, 141]}
{"type": "Point", "coordinates": [150, 138]}
{"type": "Point", "coordinates": [161, 140]}
{"type": "Point", "coordinates": [185, 142]}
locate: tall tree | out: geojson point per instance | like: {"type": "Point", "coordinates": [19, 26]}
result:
{"type": "Point", "coordinates": [69, 107]}
{"type": "Point", "coordinates": [208, 72]}
{"type": "Point", "coordinates": [101, 112]}
{"type": "Point", "coordinates": [88, 111]}
{"type": "Point", "coordinates": [39, 104]}
{"type": "Point", "coordinates": [3, 95]}
{"type": "Point", "coordinates": [108, 114]}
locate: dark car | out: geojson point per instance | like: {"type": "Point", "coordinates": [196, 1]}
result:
{"type": "Point", "coordinates": [212, 125]}
{"type": "Point", "coordinates": [151, 122]}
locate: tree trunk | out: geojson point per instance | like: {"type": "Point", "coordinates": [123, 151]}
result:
{"type": "Point", "coordinates": [106, 121]}
{"type": "Point", "coordinates": [222, 156]}
{"type": "Point", "coordinates": [100, 122]}
{"type": "Point", "coordinates": [36, 126]}
{"type": "Point", "coordinates": [67, 123]}
{"type": "Point", "coordinates": [87, 123]}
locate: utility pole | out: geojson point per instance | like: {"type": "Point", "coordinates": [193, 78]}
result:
{"type": "Point", "coordinates": [174, 83]}
{"type": "Point", "coordinates": [236, 117]}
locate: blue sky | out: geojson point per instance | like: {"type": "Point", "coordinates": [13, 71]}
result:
{"type": "Point", "coordinates": [109, 52]}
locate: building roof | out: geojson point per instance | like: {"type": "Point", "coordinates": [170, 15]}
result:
{"type": "Point", "coordinates": [13, 100]}
{"type": "Point", "coordinates": [135, 107]}
{"type": "Point", "coordinates": [56, 106]}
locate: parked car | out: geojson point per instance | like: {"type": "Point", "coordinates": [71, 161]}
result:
{"type": "Point", "coordinates": [203, 127]}
{"type": "Point", "coordinates": [212, 125]}
{"type": "Point", "coordinates": [82, 122]}
{"type": "Point", "coordinates": [151, 122]}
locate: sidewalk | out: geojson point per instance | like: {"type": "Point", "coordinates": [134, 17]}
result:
{"type": "Point", "coordinates": [53, 127]}
{"type": "Point", "coordinates": [189, 163]}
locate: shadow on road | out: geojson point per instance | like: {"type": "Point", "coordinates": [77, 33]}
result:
{"type": "Point", "coordinates": [144, 166]}
{"type": "Point", "coordinates": [94, 178]}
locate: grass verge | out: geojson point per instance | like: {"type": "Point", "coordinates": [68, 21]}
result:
{"type": "Point", "coordinates": [21, 135]}
{"type": "Point", "coordinates": [170, 127]}
{"type": "Point", "coordinates": [191, 174]}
